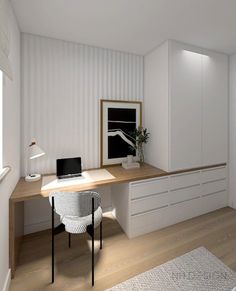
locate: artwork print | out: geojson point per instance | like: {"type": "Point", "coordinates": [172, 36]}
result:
{"type": "Point", "coordinates": [118, 120]}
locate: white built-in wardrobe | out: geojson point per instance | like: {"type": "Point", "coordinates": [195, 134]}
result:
{"type": "Point", "coordinates": [186, 105]}
{"type": "Point", "coordinates": [186, 113]}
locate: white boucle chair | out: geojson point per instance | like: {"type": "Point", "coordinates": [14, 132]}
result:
{"type": "Point", "coordinates": [79, 212]}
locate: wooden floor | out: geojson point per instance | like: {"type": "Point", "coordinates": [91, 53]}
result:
{"type": "Point", "coordinates": [121, 258]}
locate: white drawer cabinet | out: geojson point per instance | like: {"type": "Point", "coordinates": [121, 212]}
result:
{"type": "Point", "coordinates": [210, 188]}
{"type": "Point", "coordinates": [150, 203]}
{"type": "Point", "coordinates": [184, 180]}
{"type": "Point", "coordinates": [149, 221]}
{"type": "Point", "coordinates": [214, 201]}
{"type": "Point", "coordinates": [181, 195]}
{"type": "Point", "coordinates": [213, 174]}
{"type": "Point", "coordinates": [147, 205]}
{"type": "Point", "coordinates": [148, 187]}
{"type": "Point", "coordinates": [214, 189]}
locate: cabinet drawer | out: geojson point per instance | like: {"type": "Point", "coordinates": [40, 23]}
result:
{"type": "Point", "coordinates": [213, 187]}
{"type": "Point", "coordinates": [181, 195]}
{"type": "Point", "coordinates": [184, 180]}
{"type": "Point", "coordinates": [214, 201]}
{"type": "Point", "coordinates": [213, 174]}
{"type": "Point", "coordinates": [149, 221]}
{"type": "Point", "coordinates": [154, 202]}
{"type": "Point", "coordinates": [148, 187]}
{"type": "Point", "coordinates": [162, 217]}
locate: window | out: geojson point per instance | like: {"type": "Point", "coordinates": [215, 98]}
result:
{"type": "Point", "coordinates": [5, 170]}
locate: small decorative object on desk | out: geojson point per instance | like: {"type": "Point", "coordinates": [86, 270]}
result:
{"type": "Point", "coordinates": [141, 136]}
{"type": "Point", "coordinates": [130, 164]}
{"type": "Point", "coordinates": [130, 159]}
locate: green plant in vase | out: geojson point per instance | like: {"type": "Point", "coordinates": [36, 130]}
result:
{"type": "Point", "coordinates": [141, 136]}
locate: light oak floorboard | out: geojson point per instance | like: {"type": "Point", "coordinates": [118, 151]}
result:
{"type": "Point", "coordinates": [120, 258]}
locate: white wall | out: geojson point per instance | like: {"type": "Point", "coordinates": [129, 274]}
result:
{"type": "Point", "coordinates": [62, 83]}
{"type": "Point", "coordinates": [232, 132]}
{"type": "Point", "coordinates": [11, 144]}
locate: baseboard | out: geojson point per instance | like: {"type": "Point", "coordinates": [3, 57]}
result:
{"type": "Point", "coordinates": [42, 225]}
{"type": "Point", "coordinates": [7, 282]}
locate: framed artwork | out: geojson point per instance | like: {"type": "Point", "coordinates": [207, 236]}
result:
{"type": "Point", "coordinates": [118, 120]}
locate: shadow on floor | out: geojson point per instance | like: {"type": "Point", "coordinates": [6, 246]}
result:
{"type": "Point", "coordinates": [74, 262]}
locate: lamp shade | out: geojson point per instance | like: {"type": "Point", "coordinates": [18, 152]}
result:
{"type": "Point", "coordinates": [35, 151]}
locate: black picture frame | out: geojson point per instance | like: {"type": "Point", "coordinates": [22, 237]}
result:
{"type": "Point", "coordinates": [118, 119]}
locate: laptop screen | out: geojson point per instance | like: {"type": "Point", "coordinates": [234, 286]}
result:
{"type": "Point", "coordinates": [69, 167]}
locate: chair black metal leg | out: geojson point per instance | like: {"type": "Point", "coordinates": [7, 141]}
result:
{"type": "Point", "coordinates": [93, 259]}
{"type": "Point", "coordinates": [52, 239]}
{"type": "Point", "coordinates": [92, 241]}
{"type": "Point", "coordinates": [69, 241]}
{"type": "Point", "coordinates": [101, 235]}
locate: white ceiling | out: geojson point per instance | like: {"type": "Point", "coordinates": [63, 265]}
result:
{"type": "Point", "coordinates": [132, 25]}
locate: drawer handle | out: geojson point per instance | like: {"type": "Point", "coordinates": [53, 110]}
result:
{"type": "Point", "coordinates": [220, 179]}
{"type": "Point", "coordinates": [216, 192]}
{"type": "Point", "coordinates": [147, 211]}
{"type": "Point", "coordinates": [147, 196]}
{"type": "Point", "coordinates": [185, 200]}
{"type": "Point", "coordinates": [185, 187]}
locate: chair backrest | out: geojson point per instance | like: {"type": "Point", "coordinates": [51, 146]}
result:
{"type": "Point", "coordinates": [75, 203]}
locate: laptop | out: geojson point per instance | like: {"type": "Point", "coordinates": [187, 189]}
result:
{"type": "Point", "coordinates": [69, 168]}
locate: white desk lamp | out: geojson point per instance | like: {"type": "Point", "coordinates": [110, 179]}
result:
{"type": "Point", "coordinates": [34, 152]}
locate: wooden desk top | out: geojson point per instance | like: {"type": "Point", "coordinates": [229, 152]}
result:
{"type": "Point", "coordinates": [28, 190]}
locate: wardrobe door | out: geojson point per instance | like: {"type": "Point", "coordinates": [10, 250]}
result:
{"type": "Point", "coordinates": [215, 109]}
{"type": "Point", "coordinates": [185, 107]}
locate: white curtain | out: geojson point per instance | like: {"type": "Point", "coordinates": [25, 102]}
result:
{"type": "Point", "coordinates": [5, 65]}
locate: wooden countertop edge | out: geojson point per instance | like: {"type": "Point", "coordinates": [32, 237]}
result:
{"type": "Point", "coordinates": [197, 169]}
{"type": "Point", "coordinates": [91, 186]}
{"type": "Point", "coordinates": [25, 198]}
{"type": "Point", "coordinates": [114, 181]}
{"type": "Point", "coordinates": [94, 185]}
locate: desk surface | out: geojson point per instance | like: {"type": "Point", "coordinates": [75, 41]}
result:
{"type": "Point", "coordinates": [27, 190]}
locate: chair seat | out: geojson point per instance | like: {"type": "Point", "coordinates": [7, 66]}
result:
{"type": "Point", "coordinates": [77, 224]}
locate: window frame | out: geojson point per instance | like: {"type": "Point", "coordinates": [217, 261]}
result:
{"type": "Point", "coordinates": [4, 170]}
{"type": "Point", "coordinates": [1, 121]}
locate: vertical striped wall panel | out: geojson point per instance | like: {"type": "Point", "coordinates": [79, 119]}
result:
{"type": "Point", "coordinates": [62, 83]}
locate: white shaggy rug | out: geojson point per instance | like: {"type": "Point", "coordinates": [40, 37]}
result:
{"type": "Point", "coordinates": [198, 270]}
